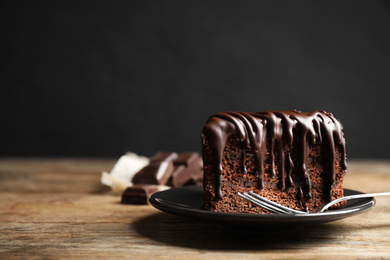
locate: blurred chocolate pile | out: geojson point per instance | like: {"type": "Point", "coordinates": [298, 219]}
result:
{"type": "Point", "coordinates": [165, 170]}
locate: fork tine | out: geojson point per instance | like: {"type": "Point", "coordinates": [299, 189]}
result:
{"type": "Point", "coordinates": [263, 204]}
{"type": "Point", "coordinates": [276, 204]}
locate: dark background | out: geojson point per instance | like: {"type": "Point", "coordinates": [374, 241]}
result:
{"type": "Point", "coordinates": [103, 78]}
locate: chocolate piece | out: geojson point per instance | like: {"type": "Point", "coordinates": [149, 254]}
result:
{"type": "Point", "coordinates": [186, 158]}
{"type": "Point", "coordinates": [195, 180]}
{"type": "Point", "coordinates": [154, 173]}
{"type": "Point", "coordinates": [158, 171]}
{"type": "Point", "coordinates": [188, 165]}
{"type": "Point", "coordinates": [138, 194]}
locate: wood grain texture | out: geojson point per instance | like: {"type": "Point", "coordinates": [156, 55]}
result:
{"type": "Point", "coordinates": [57, 208]}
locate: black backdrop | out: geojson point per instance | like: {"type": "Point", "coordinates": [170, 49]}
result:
{"type": "Point", "coordinates": [102, 78]}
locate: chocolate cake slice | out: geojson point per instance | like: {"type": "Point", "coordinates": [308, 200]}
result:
{"type": "Point", "coordinates": [293, 158]}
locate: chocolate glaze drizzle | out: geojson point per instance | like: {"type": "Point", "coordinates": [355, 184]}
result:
{"type": "Point", "coordinates": [278, 129]}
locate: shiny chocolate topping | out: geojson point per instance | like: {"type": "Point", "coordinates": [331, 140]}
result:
{"type": "Point", "coordinates": [278, 129]}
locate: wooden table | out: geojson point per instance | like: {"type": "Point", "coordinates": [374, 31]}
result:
{"type": "Point", "coordinates": [57, 208]}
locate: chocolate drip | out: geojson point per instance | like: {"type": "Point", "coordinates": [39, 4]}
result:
{"type": "Point", "coordinates": [278, 130]}
{"type": "Point", "coordinates": [290, 167]}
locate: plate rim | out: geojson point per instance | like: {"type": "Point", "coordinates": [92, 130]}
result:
{"type": "Point", "coordinates": [327, 216]}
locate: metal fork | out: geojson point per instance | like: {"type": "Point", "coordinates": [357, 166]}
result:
{"type": "Point", "coordinates": [279, 209]}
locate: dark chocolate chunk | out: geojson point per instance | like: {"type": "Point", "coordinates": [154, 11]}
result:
{"type": "Point", "coordinates": [186, 158]}
{"type": "Point", "coordinates": [155, 173]}
{"type": "Point", "coordinates": [188, 166]}
{"type": "Point", "coordinates": [195, 180]}
{"type": "Point", "coordinates": [138, 194]}
{"type": "Point", "coordinates": [158, 171]}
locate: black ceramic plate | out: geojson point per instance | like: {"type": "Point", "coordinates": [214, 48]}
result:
{"type": "Point", "coordinates": [188, 201]}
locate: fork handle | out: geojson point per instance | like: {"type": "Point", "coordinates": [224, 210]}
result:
{"type": "Point", "coordinates": [357, 196]}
